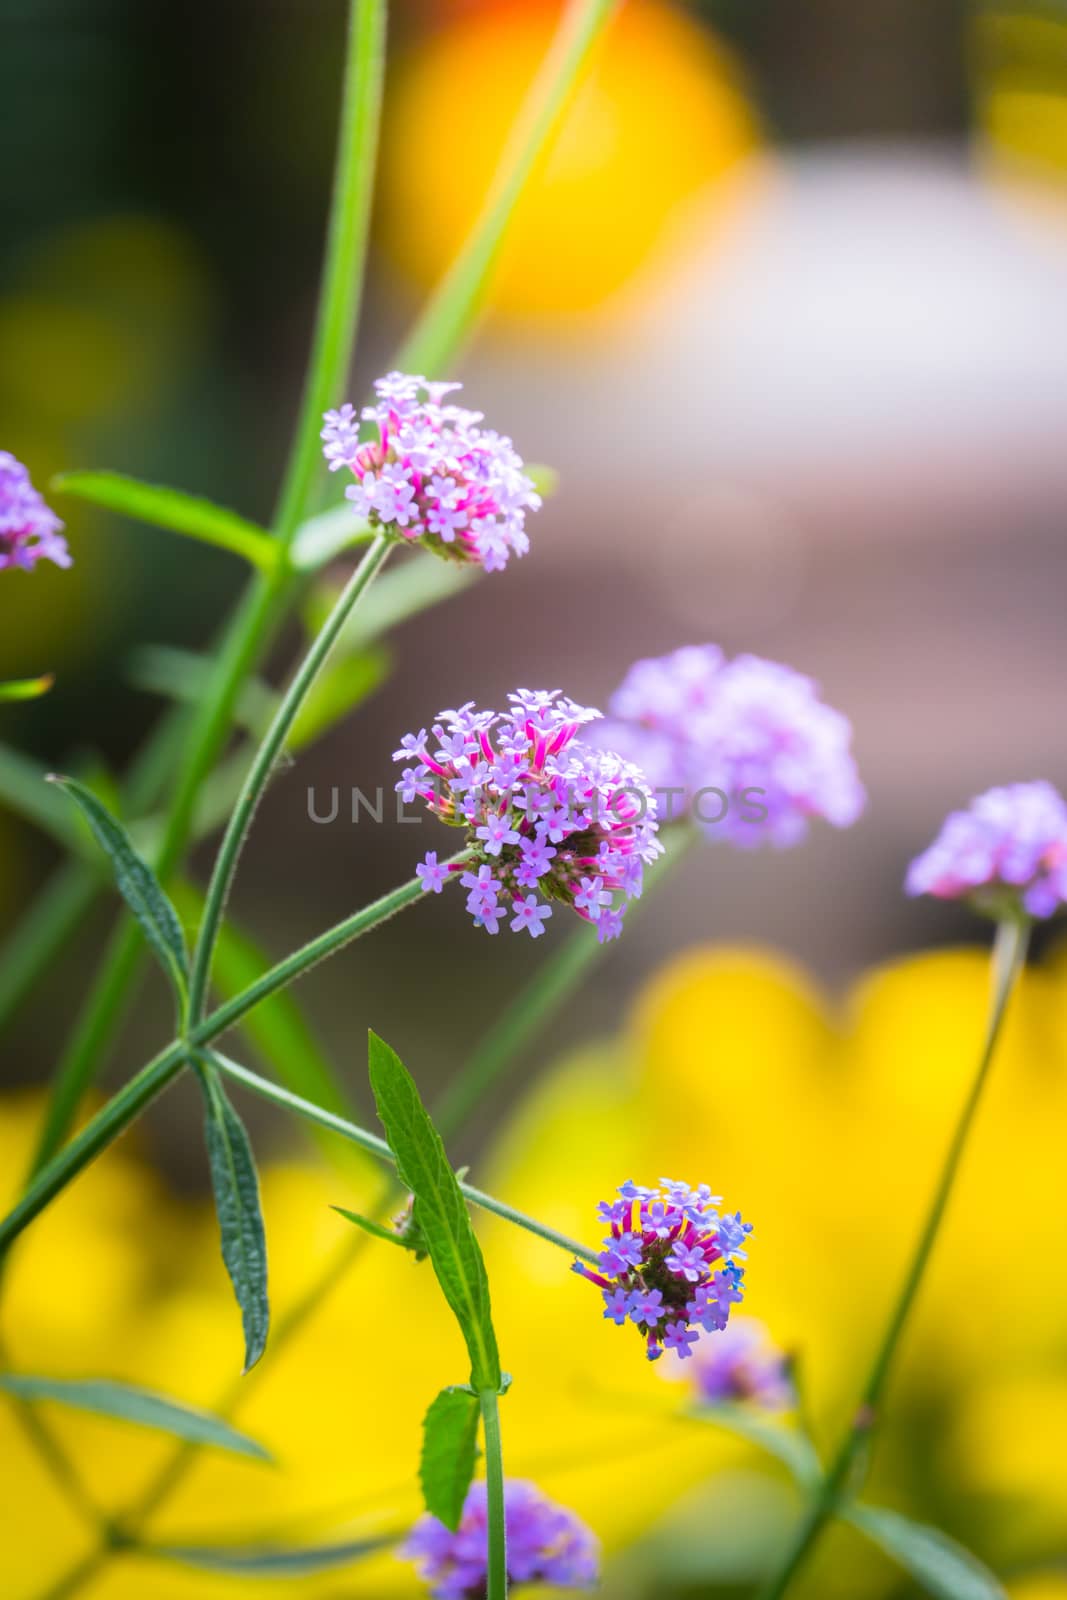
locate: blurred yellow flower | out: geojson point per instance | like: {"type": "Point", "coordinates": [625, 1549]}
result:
{"type": "Point", "coordinates": [824, 1127]}
{"type": "Point", "coordinates": [659, 116]}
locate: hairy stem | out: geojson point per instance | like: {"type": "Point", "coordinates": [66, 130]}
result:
{"type": "Point", "coordinates": [497, 1576]}
{"type": "Point", "coordinates": [263, 765]}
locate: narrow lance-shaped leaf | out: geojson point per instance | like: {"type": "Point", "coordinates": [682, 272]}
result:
{"type": "Point", "coordinates": [26, 688]}
{"type": "Point", "coordinates": [449, 1451]}
{"type": "Point", "coordinates": [236, 1186]}
{"type": "Point", "coordinates": [943, 1567]}
{"type": "Point", "coordinates": [137, 884]}
{"type": "Point", "coordinates": [440, 1212]}
{"type": "Point", "coordinates": [791, 1447]}
{"type": "Point", "coordinates": [277, 1563]}
{"type": "Point", "coordinates": [127, 1403]}
{"type": "Point", "coordinates": [173, 509]}
{"type": "Point", "coordinates": [378, 1230]}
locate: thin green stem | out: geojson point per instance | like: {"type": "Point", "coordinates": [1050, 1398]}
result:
{"type": "Point", "coordinates": [377, 1147]}
{"type": "Point", "coordinates": [114, 1117]}
{"type": "Point", "coordinates": [551, 986]}
{"type": "Point", "coordinates": [451, 312]}
{"type": "Point", "coordinates": [340, 297]}
{"type": "Point", "coordinates": [497, 1575]}
{"type": "Point", "coordinates": [263, 765]}
{"type": "Point", "coordinates": [53, 1454]}
{"type": "Point", "coordinates": [1009, 956]}
{"type": "Point", "coordinates": [344, 267]}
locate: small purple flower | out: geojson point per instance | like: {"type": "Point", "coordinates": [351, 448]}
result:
{"type": "Point", "coordinates": [616, 1306]}
{"type": "Point", "coordinates": [29, 530]}
{"type": "Point", "coordinates": [646, 1307]}
{"type": "Point", "coordinates": [687, 1262]}
{"type": "Point", "coordinates": [495, 834]}
{"type": "Point", "coordinates": [433, 876]}
{"type": "Point", "coordinates": [431, 472]}
{"type": "Point", "coordinates": [678, 1336]}
{"type": "Point", "coordinates": [746, 746]}
{"type": "Point", "coordinates": [547, 816]}
{"type": "Point", "coordinates": [529, 916]}
{"type": "Point", "coordinates": [546, 1544]}
{"type": "Point", "coordinates": [1006, 852]}
{"type": "Point", "coordinates": [733, 1233]}
{"type": "Point", "coordinates": [665, 1262]}
{"type": "Point", "coordinates": [742, 1365]}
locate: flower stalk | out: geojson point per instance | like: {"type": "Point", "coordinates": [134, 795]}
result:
{"type": "Point", "coordinates": [1009, 956]}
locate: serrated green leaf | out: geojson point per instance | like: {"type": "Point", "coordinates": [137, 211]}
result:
{"type": "Point", "coordinates": [236, 1186]}
{"type": "Point", "coordinates": [137, 884]}
{"type": "Point", "coordinates": [943, 1567]}
{"type": "Point", "coordinates": [127, 1403]}
{"type": "Point", "coordinates": [440, 1212]}
{"type": "Point", "coordinates": [791, 1447]}
{"type": "Point", "coordinates": [279, 1563]}
{"type": "Point", "coordinates": [449, 1451]}
{"type": "Point", "coordinates": [26, 688]}
{"type": "Point", "coordinates": [171, 508]}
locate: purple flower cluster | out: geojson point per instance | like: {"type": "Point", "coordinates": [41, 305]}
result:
{"type": "Point", "coordinates": [29, 530]}
{"type": "Point", "coordinates": [742, 1366]}
{"type": "Point", "coordinates": [546, 814]}
{"type": "Point", "coordinates": [546, 1544]}
{"type": "Point", "coordinates": [1007, 850]}
{"type": "Point", "coordinates": [669, 1264]}
{"type": "Point", "coordinates": [433, 473]}
{"type": "Point", "coordinates": [747, 743]}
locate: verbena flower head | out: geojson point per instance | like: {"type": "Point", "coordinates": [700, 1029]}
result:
{"type": "Point", "coordinates": [29, 530]}
{"type": "Point", "coordinates": [549, 818]}
{"type": "Point", "coordinates": [741, 1366]}
{"type": "Point", "coordinates": [545, 1543]}
{"type": "Point", "coordinates": [747, 744]}
{"type": "Point", "coordinates": [669, 1265]}
{"type": "Point", "coordinates": [433, 473]}
{"type": "Point", "coordinates": [1007, 851]}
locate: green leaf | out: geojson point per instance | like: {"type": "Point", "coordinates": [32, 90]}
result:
{"type": "Point", "coordinates": [340, 688]}
{"type": "Point", "coordinates": [440, 1212]}
{"type": "Point", "coordinates": [26, 688]}
{"type": "Point", "coordinates": [544, 479]}
{"type": "Point", "coordinates": [329, 534]}
{"type": "Point", "coordinates": [24, 791]}
{"type": "Point", "coordinates": [236, 1185]}
{"type": "Point", "coordinates": [137, 884]}
{"type": "Point", "coordinates": [126, 1403]}
{"type": "Point", "coordinates": [280, 1563]}
{"type": "Point", "coordinates": [791, 1447]}
{"type": "Point", "coordinates": [170, 508]}
{"type": "Point", "coordinates": [377, 1229]}
{"type": "Point", "coordinates": [412, 586]}
{"type": "Point", "coordinates": [186, 675]}
{"type": "Point", "coordinates": [449, 1451]}
{"type": "Point", "coordinates": [277, 1027]}
{"type": "Point", "coordinates": [943, 1567]}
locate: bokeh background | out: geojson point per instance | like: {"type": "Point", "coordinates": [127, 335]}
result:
{"type": "Point", "coordinates": [784, 308]}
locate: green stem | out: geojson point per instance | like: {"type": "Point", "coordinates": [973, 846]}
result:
{"type": "Point", "coordinates": [340, 297]}
{"type": "Point", "coordinates": [377, 1147]}
{"type": "Point", "coordinates": [345, 263]}
{"type": "Point", "coordinates": [497, 1576]}
{"type": "Point", "coordinates": [450, 313]}
{"type": "Point", "coordinates": [263, 765]}
{"type": "Point", "coordinates": [539, 1000]}
{"type": "Point", "coordinates": [152, 1079]}
{"type": "Point", "coordinates": [1009, 955]}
